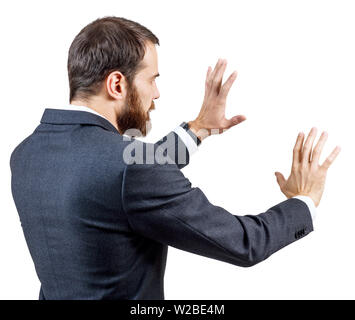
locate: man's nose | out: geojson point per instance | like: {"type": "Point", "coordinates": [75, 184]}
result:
{"type": "Point", "coordinates": [156, 93]}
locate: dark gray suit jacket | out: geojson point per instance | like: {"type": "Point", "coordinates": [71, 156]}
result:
{"type": "Point", "coordinates": [99, 228]}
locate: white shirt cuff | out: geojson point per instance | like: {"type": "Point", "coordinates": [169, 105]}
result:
{"type": "Point", "coordinates": [311, 206]}
{"type": "Point", "coordinates": [186, 139]}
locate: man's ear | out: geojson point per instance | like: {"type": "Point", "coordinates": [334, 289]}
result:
{"type": "Point", "coordinates": [116, 85]}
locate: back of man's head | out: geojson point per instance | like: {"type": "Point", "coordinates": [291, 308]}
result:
{"type": "Point", "coordinates": [103, 46]}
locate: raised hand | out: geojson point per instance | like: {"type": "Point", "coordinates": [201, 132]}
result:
{"type": "Point", "coordinates": [211, 118]}
{"type": "Point", "coordinates": [307, 176]}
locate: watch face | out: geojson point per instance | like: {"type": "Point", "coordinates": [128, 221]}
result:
{"type": "Point", "coordinates": [185, 125]}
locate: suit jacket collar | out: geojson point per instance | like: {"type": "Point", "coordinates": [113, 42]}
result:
{"type": "Point", "coordinates": [62, 116]}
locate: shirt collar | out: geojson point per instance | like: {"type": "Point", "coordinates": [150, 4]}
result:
{"type": "Point", "coordinates": [83, 108]}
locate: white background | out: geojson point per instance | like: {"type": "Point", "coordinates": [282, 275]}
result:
{"type": "Point", "coordinates": [296, 69]}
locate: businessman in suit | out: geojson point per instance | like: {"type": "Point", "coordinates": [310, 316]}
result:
{"type": "Point", "coordinates": [97, 219]}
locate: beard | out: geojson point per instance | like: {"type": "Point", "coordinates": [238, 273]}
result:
{"type": "Point", "coordinates": [133, 120]}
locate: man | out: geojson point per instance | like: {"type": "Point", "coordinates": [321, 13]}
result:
{"type": "Point", "coordinates": [97, 218]}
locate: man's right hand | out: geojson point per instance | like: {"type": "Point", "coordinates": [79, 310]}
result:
{"type": "Point", "coordinates": [212, 118]}
{"type": "Point", "coordinates": [307, 176]}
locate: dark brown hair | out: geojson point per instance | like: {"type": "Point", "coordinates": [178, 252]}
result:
{"type": "Point", "coordinates": [103, 46]}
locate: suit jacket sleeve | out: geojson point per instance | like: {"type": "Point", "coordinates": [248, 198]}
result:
{"type": "Point", "coordinates": [160, 204]}
{"type": "Point", "coordinates": [173, 147]}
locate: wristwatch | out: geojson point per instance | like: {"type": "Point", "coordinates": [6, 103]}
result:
{"type": "Point", "coordinates": [186, 127]}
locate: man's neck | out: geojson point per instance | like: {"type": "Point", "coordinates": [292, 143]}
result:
{"type": "Point", "coordinates": [103, 108]}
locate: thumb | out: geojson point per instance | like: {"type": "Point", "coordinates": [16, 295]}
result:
{"type": "Point", "coordinates": [236, 120]}
{"type": "Point", "coordinates": [280, 178]}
